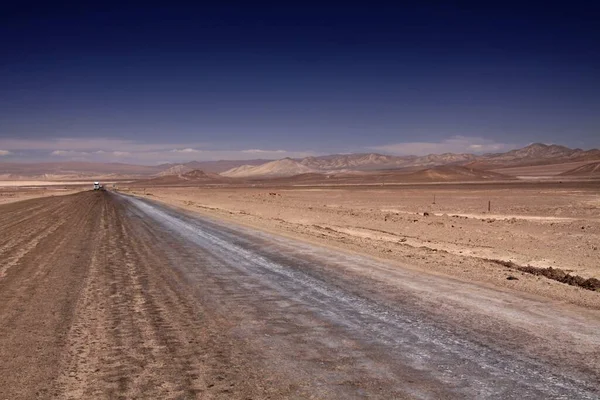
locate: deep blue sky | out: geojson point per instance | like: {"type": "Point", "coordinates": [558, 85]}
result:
{"type": "Point", "coordinates": [142, 80]}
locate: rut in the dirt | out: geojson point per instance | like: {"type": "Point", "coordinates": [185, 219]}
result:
{"type": "Point", "coordinates": [88, 310]}
{"type": "Point", "coordinates": [44, 261]}
{"type": "Point", "coordinates": [107, 296]}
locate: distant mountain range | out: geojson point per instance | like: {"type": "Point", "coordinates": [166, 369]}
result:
{"type": "Point", "coordinates": [534, 154]}
{"type": "Point", "coordinates": [284, 167]}
{"type": "Point", "coordinates": [207, 166]}
{"type": "Point", "coordinates": [73, 170]}
{"type": "Point", "coordinates": [374, 161]}
{"type": "Point", "coordinates": [195, 176]}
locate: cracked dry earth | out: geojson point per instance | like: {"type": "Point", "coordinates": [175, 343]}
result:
{"type": "Point", "coordinates": [108, 296]}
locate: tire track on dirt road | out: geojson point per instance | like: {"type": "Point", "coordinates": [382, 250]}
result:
{"type": "Point", "coordinates": [27, 223]}
{"type": "Point", "coordinates": [19, 229]}
{"type": "Point", "coordinates": [138, 333]}
{"type": "Point", "coordinates": [128, 299]}
{"type": "Point", "coordinates": [38, 296]}
{"type": "Point", "coordinates": [95, 310]}
{"type": "Point", "coordinates": [341, 333]}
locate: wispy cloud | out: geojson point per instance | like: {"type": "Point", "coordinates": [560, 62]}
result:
{"type": "Point", "coordinates": [454, 144]}
{"type": "Point", "coordinates": [5, 153]}
{"type": "Point", "coordinates": [107, 150]}
{"type": "Point", "coordinates": [91, 145]}
{"type": "Point", "coordinates": [260, 151]}
{"type": "Point", "coordinates": [69, 153]}
{"type": "Point", "coordinates": [187, 150]}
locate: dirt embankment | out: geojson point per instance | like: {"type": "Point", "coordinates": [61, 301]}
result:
{"type": "Point", "coordinates": [555, 274]}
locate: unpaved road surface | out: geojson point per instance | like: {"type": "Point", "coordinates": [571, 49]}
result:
{"type": "Point", "coordinates": [108, 296]}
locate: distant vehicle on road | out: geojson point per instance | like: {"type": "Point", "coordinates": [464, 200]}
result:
{"type": "Point", "coordinates": [98, 186]}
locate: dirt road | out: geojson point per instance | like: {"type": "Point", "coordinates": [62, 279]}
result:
{"type": "Point", "coordinates": [107, 296]}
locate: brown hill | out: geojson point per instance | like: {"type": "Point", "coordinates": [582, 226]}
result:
{"type": "Point", "coordinates": [534, 154]}
{"type": "Point", "coordinates": [177, 169]}
{"type": "Point", "coordinates": [432, 160]}
{"type": "Point", "coordinates": [194, 177]}
{"type": "Point", "coordinates": [374, 161]}
{"type": "Point", "coordinates": [544, 170]}
{"type": "Point", "coordinates": [359, 161]}
{"type": "Point", "coordinates": [429, 175]}
{"type": "Point", "coordinates": [591, 169]}
{"type": "Point", "coordinates": [453, 174]}
{"type": "Point", "coordinates": [278, 168]}
{"type": "Point", "coordinates": [207, 166]}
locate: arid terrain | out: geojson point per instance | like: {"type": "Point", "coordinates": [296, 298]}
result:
{"type": "Point", "coordinates": [535, 160]}
{"type": "Point", "coordinates": [272, 201]}
{"type": "Point", "coordinates": [13, 192]}
{"type": "Point", "coordinates": [301, 292]}
{"type": "Point", "coordinates": [276, 281]}
{"type": "Point", "coordinates": [440, 228]}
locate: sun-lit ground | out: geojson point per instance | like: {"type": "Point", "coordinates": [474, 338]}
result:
{"type": "Point", "coordinates": [442, 228]}
{"type": "Point", "coordinates": [13, 193]}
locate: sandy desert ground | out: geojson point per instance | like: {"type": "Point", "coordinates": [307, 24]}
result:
{"type": "Point", "coordinates": [541, 225]}
{"type": "Point", "coordinates": [16, 191]}
{"type": "Point", "coordinates": [301, 292]}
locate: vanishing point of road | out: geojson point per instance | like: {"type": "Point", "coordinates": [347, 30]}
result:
{"type": "Point", "coordinates": [109, 296]}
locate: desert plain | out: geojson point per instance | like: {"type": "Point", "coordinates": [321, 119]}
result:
{"type": "Point", "coordinates": [444, 283]}
{"type": "Point", "coordinates": [441, 228]}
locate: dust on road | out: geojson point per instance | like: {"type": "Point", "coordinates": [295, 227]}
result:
{"type": "Point", "coordinates": [103, 296]}
{"type": "Point", "coordinates": [91, 308]}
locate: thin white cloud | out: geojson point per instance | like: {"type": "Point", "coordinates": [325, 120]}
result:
{"type": "Point", "coordinates": [5, 153]}
{"type": "Point", "coordinates": [69, 153]}
{"type": "Point", "coordinates": [129, 151]}
{"type": "Point", "coordinates": [90, 145]}
{"type": "Point", "coordinates": [186, 150]}
{"type": "Point", "coordinates": [455, 144]}
{"type": "Point", "coordinates": [260, 151]}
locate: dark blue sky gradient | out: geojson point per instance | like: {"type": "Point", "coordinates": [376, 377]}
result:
{"type": "Point", "coordinates": [301, 77]}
